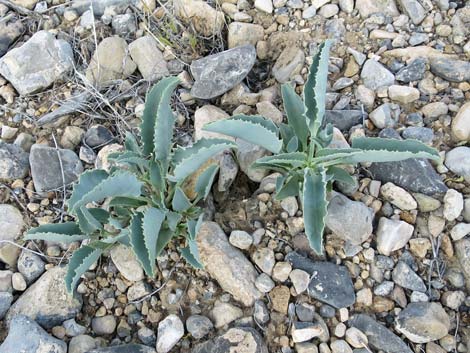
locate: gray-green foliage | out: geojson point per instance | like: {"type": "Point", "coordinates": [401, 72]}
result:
{"type": "Point", "coordinates": [140, 202]}
{"type": "Point", "coordinates": [300, 148]}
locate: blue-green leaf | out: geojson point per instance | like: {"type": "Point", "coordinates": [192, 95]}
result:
{"type": "Point", "coordinates": [180, 202]}
{"type": "Point", "coordinates": [315, 88]}
{"type": "Point", "coordinates": [254, 129]}
{"type": "Point", "coordinates": [152, 223]}
{"type": "Point", "coordinates": [138, 244]}
{"type": "Point", "coordinates": [86, 183]}
{"type": "Point", "coordinates": [173, 219]}
{"type": "Point", "coordinates": [339, 174]}
{"type": "Point", "coordinates": [190, 257]}
{"type": "Point", "coordinates": [164, 238]}
{"type": "Point", "coordinates": [79, 263]}
{"type": "Point", "coordinates": [315, 207]}
{"type": "Point", "coordinates": [290, 187]}
{"type": "Point", "coordinates": [205, 181]}
{"type": "Point", "coordinates": [295, 110]}
{"type": "Point", "coordinates": [86, 221]}
{"type": "Point", "coordinates": [131, 143]}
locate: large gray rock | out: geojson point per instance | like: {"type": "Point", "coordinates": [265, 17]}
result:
{"type": "Point", "coordinates": [343, 119]}
{"type": "Point", "coordinates": [14, 163]}
{"type": "Point", "coordinates": [423, 322]}
{"type": "Point", "coordinates": [47, 300]}
{"type": "Point", "coordinates": [47, 169]}
{"type": "Point", "coordinates": [127, 348]}
{"type": "Point", "coordinates": [26, 336]}
{"type": "Point", "coordinates": [216, 74]}
{"type": "Point", "coordinates": [6, 299]}
{"type": "Point", "coordinates": [232, 270]}
{"type": "Point", "coordinates": [451, 69]}
{"type": "Point", "coordinates": [350, 220]}
{"type": "Point", "coordinates": [375, 75]}
{"type": "Point", "coordinates": [11, 227]}
{"type": "Point", "coordinates": [38, 63]}
{"type": "Point", "coordinates": [330, 283]}
{"type": "Point", "coordinates": [9, 31]}
{"type": "Point", "coordinates": [379, 337]}
{"type": "Point", "coordinates": [243, 340]}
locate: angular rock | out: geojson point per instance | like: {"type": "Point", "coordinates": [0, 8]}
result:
{"type": "Point", "coordinates": [10, 30]}
{"type": "Point", "coordinates": [216, 74]}
{"type": "Point", "coordinates": [98, 136]}
{"type": "Point", "coordinates": [462, 252]}
{"type": "Point", "coordinates": [412, 72]}
{"type": "Point", "coordinates": [375, 75]}
{"type": "Point", "coordinates": [47, 169]}
{"type": "Point", "coordinates": [350, 220]}
{"type": "Point", "coordinates": [127, 264]}
{"type": "Point", "coordinates": [170, 331]}
{"type": "Point", "coordinates": [458, 161]}
{"type": "Point", "coordinates": [232, 270]}
{"type": "Point", "coordinates": [461, 123]}
{"type": "Point", "coordinates": [289, 63]}
{"type": "Point", "coordinates": [383, 116]}
{"type": "Point", "coordinates": [392, 235]}
{"type": "Point", "coordinates": [240, 33]}
{"type": "Point", "coordinates": [330, 283]}
{"type": "Point", "coordinates": [111, 61]}
{"type": "Point", "coordinates": [11, 227]}
{"type": "Point", "coordinates": [205, 19]}
{"type": "Point", "coordinates": [343, 119]}
{"type": "Point", "coordinates": [14, 163]}
{"type": "Point", "coordinates": [47, 300]}
{"type": "Point", "coordinates": [423, 322]}
{"type": "Point", "coordinates": [403, 94]}
{"type": "Point", "coordinates": [450, 69]}
{"type": "Point", "coordinates": [127, 348]}
{"type": "Point", "coordinates": [423, 134]}
{"type": "Point", "coordinates": [305, 331]}
{"type": "Point", "coordinates": [38, 63]}
{"type": "Point", "coordinates": [414, 10]}
{"type": "Point", "coordinates": [149, 59]}
{"type": "Point", "coordinates": [369, 7]}
{"type": "Point", "coordinates": [199, 326]}
{"type": "Point", "coordinates": [6, 299]}
{"type": "Point", "coordinates": [243, 340]}
{"type": "Point", "coordinates": [37, 341]}
{"type": "Point", "coordinates": [83, 343]}
{"type": "Point", "coordinates": [225, 313]}
{"type": "Point", "coordinates": [31, 266]}
{"type": "Point", "coordinates": [398, 197]}
{"type": "Point", "coordinates": [379, 337]}
{"type": "Point", "coordinates": [405, 277]}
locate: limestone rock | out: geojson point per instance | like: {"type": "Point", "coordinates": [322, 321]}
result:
{"type": "Point", "coordinates": [149, 59]}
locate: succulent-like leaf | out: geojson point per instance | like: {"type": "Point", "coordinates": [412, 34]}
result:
{"type": "Point", "coordinates": [152, 223]}
{"type": "Point", "coordinates": [193, 227]}
{"type": "Point", "coordinates": [156, 177]}
{"type": "Point", "coordinates": [254, 129]}
{"type": "Point", "coordinates": [290, 187]}
{"type": "Point", "coordinates": [190, 257]}
{"type": "Point", "coordinates": [189, 160]}
{"type": "Point", "coordinates": [56, 236]}
{"type": "Point", "coordinates": [164, 238]}
{"type": "Point", "coordinates": [86, 183]}
{"type": "Point", "coordinates": [314, 207]}
{"type": "Point", "coordinates": [119, 184]}
{"type": "Point", "coordinates": [315, 88]}
{"type": "Point", "coordinates": [283, 160]}
{"type": "Point", "coordinates": [67, 228]}
{"type": "Point", "coordinates": [158, 120]}
{"type": "Point", "coordinates": [173, 219]}
{"type": "Point", "coordinates": [388, 150]}
{"type": "Point", "coordinates": [131, 143]}
{"type": "Point", "coordinates": [86, 221]}
{"type": "Point", "coordinates": [295, 111]}
{"type": "Point", "coordinates": [138, 244]}
{"type": "Point", "coordinates": [132, 202]}
{"type": "Point", "coordinates": [180, 202]}
{"type": "Point", "coordinates": [205, 181]}
{"type": "Point", "coordinates": [293, 145]}
{"type": "Point", "coordinates": [79, 263]}
{"type": "Point", "coordinates": [330, 154]}
{"type": "Point", "coordinates": [339, 174]}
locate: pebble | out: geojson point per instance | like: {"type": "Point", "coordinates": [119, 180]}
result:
{"type": "Point", "coordinates": [383, 116]}
{"type": "Point", "coordinates": [170, 331]}
{"type": "Point", "coordinates": [458, 161]}
{"type": "Point", "coordinates": [147, 336]}
{"type": "Point", "coordinates": [206, 20]}
{"type": "Point", "coordinates": [241, 239]}
{"type": "Point", "coordinates": [264, 5]}
{"type": "Point", "coordinates": [199, 326]}
{"type": "Point", "coordinates": [300, 280]}
{"type": "Point", "coordinates": [289, 64]}
{"type": "Point", "coordinates": [6, 299]}
{"type": "Point", "coordinates": [413, 72]}
{"type": "Point", "coordinates": [264, 283]}
{"type": "Point", "coordinates": [14, 159]}
{"type": "Point", "coordinates": [340, 346]}
{"type": "Point", "coordinates": [459, 231]}
{"type": "Point", "coordinates": [461, 124]}
{"type": "Point", "coordinates": [127, 264]}
{"type": "Point", "coordinates": [405, 277]}
{"type": "Point", "coordinates": [240, 33]}
{"type": "Point", "coordinates": [280, 297]}
{"type": "Point", "coordinates": [435, 110]}
{"type": "Point", "coordinates": [241, 339]}
{"type": "Point", "coordinates": [264, 259]}
{"type": "Point", "coordinates": [225, 313]}
{"type": "Point", "coordinates": [392, 235]}
{"type": "Point", "coordinates": [374, 75]}
{"type": "Point", "coordinates": [304, 331]}
{"type": "Point", "coordinates": [73, 329]}
{"type": "Point", "coordinates": [398, 197]}
{"type": "Point", "coordinates": [260, 312]}
{"type": "Point", "coordinates": [290, 205]}
{"type": "Point", "coordinates": [403, 94]}
{"type": "Point", "coordinates": [384, 289]}
{"type": "Point", "coordinates": [453, 204]}
{"type": "Point", "coordinates": [281, 271]}
{"type": "Point", "coordinates": [328, 10]}
{"type": "Point", "coordinates": [18, 282]}
{"type": "Point", "coordinates": [423, 322]}
{"type": "Point", "coordinates": [11, 227]}
{"type": "Point", "coordinates": [104, 325]}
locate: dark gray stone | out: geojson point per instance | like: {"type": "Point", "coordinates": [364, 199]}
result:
{"type": "Point", "coordinates": [423, 134]}
{"type": "Point", "coordinates": [330, 283]}
{"type": "Point", "coordinates": [14, 163]}
{"type": "Point", "coordinates": [27, 336]}
{"type": "Point", "coordinates": [127, 348]}
{"type": "Point", "coordinates": [234, 340]}
{"type": "Point", "coordinates": [405, 277]}
{"type": "Point", "coordinates": [412, 72]}
{"type": "Point", "coordinates": [216, 74]}
{"type": "Point", "coordinates": [379, 337]}
{"type": "Point", "coordinates": [199, 326]}
{"type": "Point", "coordinates": [327, 311]}
{"type": "Point", "coordinates": [46, 168]}
{"type": "Point", "coordinates": [6, 299]}
{"type": "Point", "coordinates": [10, 30]}
{"type": "Point", "coordinates": [450, 69]}
{"type": "Point", "coordinates": [343, 119]}
{"type": "Point", "coordinates": [97, 135]}
{"type": "Point", "coordinates": [30, 266]}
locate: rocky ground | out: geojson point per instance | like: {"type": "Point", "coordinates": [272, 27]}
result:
{"type": "Point", "coordinates": [396, 274]}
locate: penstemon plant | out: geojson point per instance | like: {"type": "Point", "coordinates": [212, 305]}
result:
{"type": "Point", "coordinates": [141, 202]}
{"type": "Point", "coordinates": [300, 149]}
